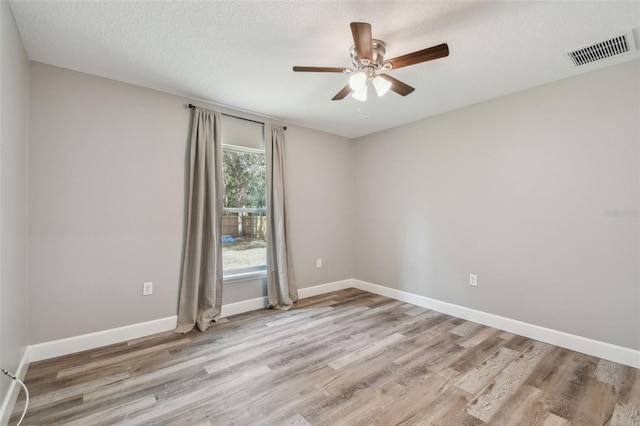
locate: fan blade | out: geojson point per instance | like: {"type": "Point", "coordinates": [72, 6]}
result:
{"type": "Point", "coordinates": [362, 39]}
{"type": "Point", "coordinates": [343, 93]}
{"type": "Point", "coordinates": [424, 55]}
{"type": "Point", "coordinates": [318, 69]}
{"type": "Point", "coordinates": [398, 86]}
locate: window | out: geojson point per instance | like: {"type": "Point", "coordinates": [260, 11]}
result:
{"type": "Point", "coordinates": [244, 248]}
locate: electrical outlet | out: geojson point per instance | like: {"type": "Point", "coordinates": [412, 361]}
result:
{"type": "Point", "coordinates": [318, 263]}
{"type": "Point", "coordinates": [147, 289]}
{"type": "Point", "coordinates": [473, 280]}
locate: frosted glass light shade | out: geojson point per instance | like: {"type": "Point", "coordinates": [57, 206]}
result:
{"type": "Point", "coordinates": [382, 85]}
{"type": "Point", "coordinates": [360, 95]}
{"type": "Point", "coordinates": [358, 81]}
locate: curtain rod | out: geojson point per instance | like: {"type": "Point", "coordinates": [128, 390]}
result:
{"type": "Point", "coordinates": [239, 118]}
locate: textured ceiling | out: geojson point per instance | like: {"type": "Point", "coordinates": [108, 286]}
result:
{"type": "Point", "coordinates": [240, 53]}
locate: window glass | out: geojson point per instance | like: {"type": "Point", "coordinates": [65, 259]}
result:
{"type": "Point", "coordinates": [244, 222]}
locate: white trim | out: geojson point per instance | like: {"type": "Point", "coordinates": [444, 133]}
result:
{"type": "Point", "coordinates": [84, 342]}
{"type": "Point", "coordinates": [619, 354]}
{"type": "Point", "coordinates": [254, 275]}
{"type": "Point", "coordinates": [245, 210]}
{"type": "Point", "coordinates": [303, 293]}
{"type": "Point", "coordinates": [243, 149]}
{"type": "Point", "coordinates": [14, 389]}
{"type": "Point", "coordinates": [596, 348]}
{"type": "Point", "coordinates": [262, 302]}
{"type": "Point", "coordinates": [243, 306]}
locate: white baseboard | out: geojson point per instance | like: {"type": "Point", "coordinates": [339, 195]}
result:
{"type": "Point", "coordinates": [11, 396]}
{"type": "Point", "coordinates": [85, 342]}
{"type": "Point", "coordinates": [316, 290]}
{"type": "Point", "coordinates": [585, 345]}
{"type": "Point", "coordinates": [243, 306]}
{"type": "Point", "coordinates": [608, 351]}
{"type": "Point", "coordinates": [100, 338]}
{"type": "Point", "coordinates": [262, 302]}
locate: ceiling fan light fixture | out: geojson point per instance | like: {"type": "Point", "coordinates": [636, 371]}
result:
{"type": "Point", "coordinates": [360, 95]}
{"type": "Point", "coordinates": [358, 81]}
{"type": "Point", "coordinates": [381, 85]}
{"type": "Point", "coordinates": [367, 56]}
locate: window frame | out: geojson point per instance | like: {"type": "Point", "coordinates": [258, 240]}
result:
{"type": "Point", "coordinates": [252, 272]}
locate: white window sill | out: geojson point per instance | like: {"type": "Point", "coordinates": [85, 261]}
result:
{"type": "Point", "coordinates": [244, 276]}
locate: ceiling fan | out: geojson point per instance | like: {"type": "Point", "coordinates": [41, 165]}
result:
{"type": "Point", "coordinates": [367, 55]}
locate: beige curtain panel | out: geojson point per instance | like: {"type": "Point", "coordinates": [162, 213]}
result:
{"type": "Point", "coordinates": [201, 285]}
{"type": "Point", "coordinates": [281, 283]}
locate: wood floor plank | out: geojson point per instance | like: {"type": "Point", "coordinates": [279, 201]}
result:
{"type": "Point", "coordinates": [119, 359]}
{"type": "Point", "coordinates": [518, 343]}
{"type": "Point", "coordinates": [418, 392]}
{"type": "Point", "coordinates": [478, 336]}
{"type": "Point", "coordinates": [296, 420]}
{"type": "Point", "coordinates": [630, 394]}
{"type": "Point", "coordinates": [248, 354]}
{"type": "Point", "coordinates": [553, 420]}
{"type": "Point", "coordinates": [343, 358]}
{"type": "Point", "coordinates": [479, 377]}
{"type": "Point", "coordinates": [467, 328]}
{"type": "Point", "coordinates": [364, 377]}
{"type": "Point", "coordinates": [144, 381]}
{"type": "Point", "coordinates": [442, 410]}
{"type": "Point", "coordinates": [113, 415]}
{"type": "Point", "coordinates": [76, 390]}
{"type": "Point", "coordinates": [526, 404]}
{"type": "Point", "coordinates": [505, 335]}
{"type": "Point", "coordinates": [298, 315]}
{"type": "Point", "coordinates": [282, 399]}
{"type": "Point", "coordinates": [596, 405]}
{"type": "Point", "coordinates": [552, 371]}
{"type": "Point", "coordinates": [176, 402]}
{"type": "Point", "coordinates": [568, 387]}
{"type": "Point", "coordinates": [625, 415]}
{"type": "Point", "coordinates": [490, 400]}
{"type": "Point", "coordinates": [610, 372]}
{"type": "Point", "coordinates": [413, 310]}
{"type": "Point", "coordinates": [366, 352]}
{"type": "Point", "coordinates": [367, 408]}
{"type": "Point", "coordinates": [469, 359]}
{"type": "Point", "coordinates": [430, 333]}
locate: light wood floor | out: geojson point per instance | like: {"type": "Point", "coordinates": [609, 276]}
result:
{"type": "Point", "coordinates": [343, 358]}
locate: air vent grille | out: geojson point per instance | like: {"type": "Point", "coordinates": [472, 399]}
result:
{"type": "Point", "coordinates": [598, 51]}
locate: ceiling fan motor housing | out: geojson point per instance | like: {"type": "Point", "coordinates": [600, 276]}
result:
{"type": "Point", "coordinates": [378, 49]}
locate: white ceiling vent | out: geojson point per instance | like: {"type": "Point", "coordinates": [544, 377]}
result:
{"type": "Point", "coordinates": [602, 50]}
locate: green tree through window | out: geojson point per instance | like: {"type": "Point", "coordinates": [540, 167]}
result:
{"type": "Point", "coordinates": [244, 221]}
{"type": "Point", "coordinates": [245, 178]}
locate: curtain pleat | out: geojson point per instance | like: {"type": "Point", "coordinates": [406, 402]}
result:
{"type": "Point", "coordinates": [201, 285]}
{"type": "Point", "coordinates": [281, 284]}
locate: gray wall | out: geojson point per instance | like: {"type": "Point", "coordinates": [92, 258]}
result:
{"type": "Point", "coordinates": [519, 190]}
{"type": "Point", "coordinates": [107, 193]}
{"type": "Point", "coordinates": [319, 176]}
{"type": "Point", "coordinates": [14, 88]}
